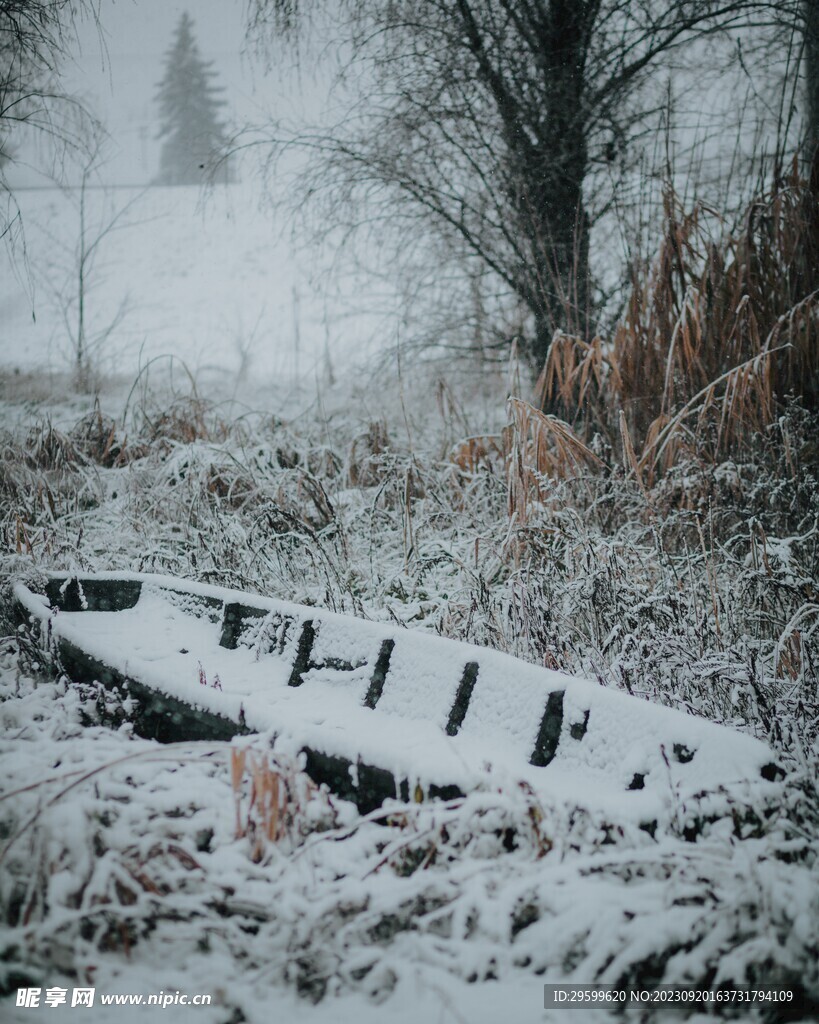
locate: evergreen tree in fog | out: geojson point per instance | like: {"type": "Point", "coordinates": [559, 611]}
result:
{"type": "Point", "coordinates": [195, 141]}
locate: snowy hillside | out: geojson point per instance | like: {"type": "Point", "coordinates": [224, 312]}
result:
{"type": "Point", "coordinates": [212, 278]}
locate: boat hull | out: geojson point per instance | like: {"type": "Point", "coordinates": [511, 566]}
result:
{"type": "Point", "coordinates": [379, 712]}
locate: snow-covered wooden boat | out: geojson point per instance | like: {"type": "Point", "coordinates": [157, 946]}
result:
{"type": "Point", "coordinates": [379, 711]}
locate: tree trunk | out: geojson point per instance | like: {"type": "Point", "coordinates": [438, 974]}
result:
{"type": "Point", "coordinates": [553, 213]}
{"type": "Point", "coordinates": [543, 124]}
{"type": "Point", "coordinates": [562, 262]}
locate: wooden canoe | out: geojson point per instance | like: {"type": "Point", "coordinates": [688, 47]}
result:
{"type": "Point", "coordinates": [378, 711]}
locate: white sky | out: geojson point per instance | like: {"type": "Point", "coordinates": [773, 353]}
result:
{"type": "Point", "coordinates": [116, 77]}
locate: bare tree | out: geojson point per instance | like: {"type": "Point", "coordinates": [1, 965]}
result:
{"type": "Point", "coordinates": [75, 270]}
{"type": "Point", "coordinates": [486, 120]}
{"type": "Point", "coordinates": [34, 35]}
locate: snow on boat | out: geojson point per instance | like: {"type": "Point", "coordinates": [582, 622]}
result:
{"type": "Point", "coordinates": [379, 711]}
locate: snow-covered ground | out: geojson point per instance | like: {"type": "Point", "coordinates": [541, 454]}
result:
{"type": "Point", "coordinates": [212, 278]}
{"type": "Point", "coordinates": [140, 885]}
{"type": "Point", "coordinates": [137, 868]}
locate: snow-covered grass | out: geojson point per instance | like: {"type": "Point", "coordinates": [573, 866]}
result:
{"type": "Point", "coordinates": [122, 863]}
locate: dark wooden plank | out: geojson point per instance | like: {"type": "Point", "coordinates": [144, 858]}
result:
{"type": "Point", "coordinates": [158, 716]}
{"type": "Point", "coordinates": [549, 732]}
{"type": "Point", "coordinates": [302, 664]}
{"type": "Point", "coordinates": [235, 620]}
{"type": "Point", "coordinates": [379, 676]}
{"type": "Point", "coordinates": [461, 703]}
{"type": "Point", "coordinates": [96, 595]}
